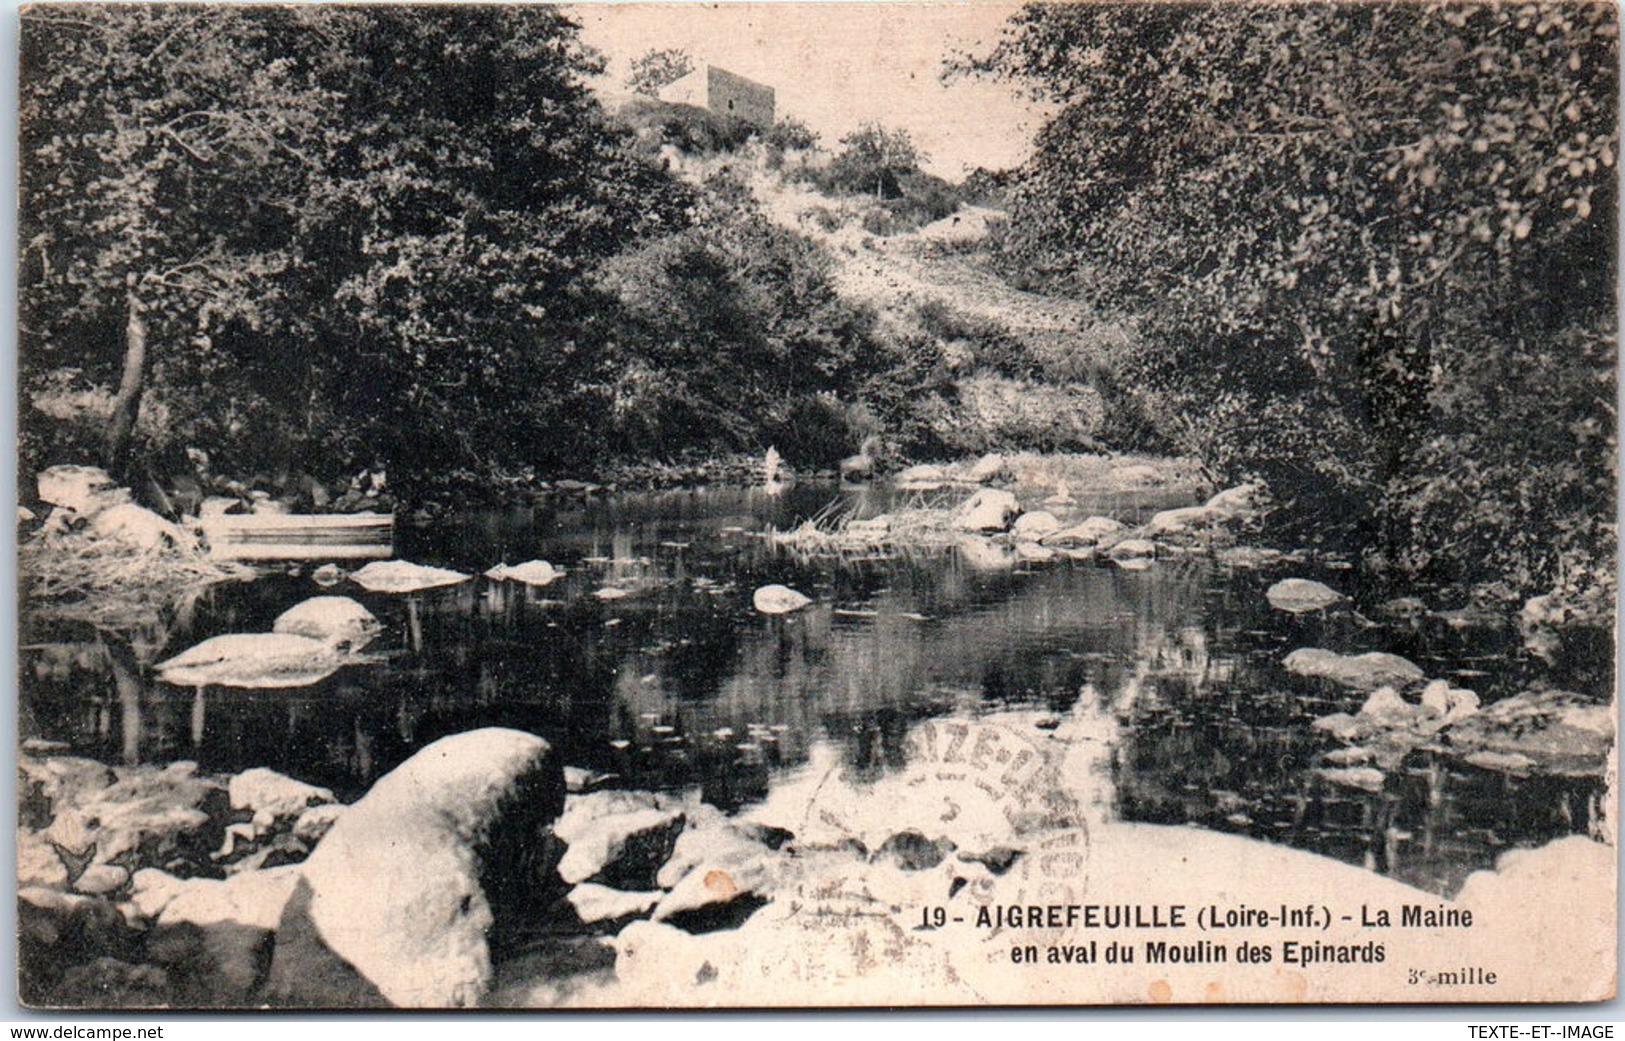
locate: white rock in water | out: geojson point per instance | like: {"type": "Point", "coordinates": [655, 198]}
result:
{"type": "Point", "coordinates": [400, 576]}
{"type": "Point", "coordinates": [251, 898]}
{"type": "Point", "coordinates": [1436, 698]}
{"type": "Point", "coordinates": [531, 573]}
{"type": "Point", "coordinates": [1301, 595]}
{"type": "Point", "coordinates": [777, 599]}
{"type": "Point", "coordinates": [708, 885]}
{"type": "Point", "coordinates": [1032, 527]}
{"type": "Point", "coordinates": [985, 554]}
{"type": "Point", "coordinates": [596, 903]}
{"type": "Point", "coordinates": [396, 884]}
{"type": "Point", "coordinates": [990, 509]}
{"type": "Point", "coordinates": [923, 476]}
{"type": "Point", "coordinates": [316, 822]}
{"type": "Point", "coordinates": [987, 468]}
{"type": "Point", "coordinates": [625, 850]}
{"type": "Point", "coordinates": [1091, 532]}
{"type": "Point", "coordinates": [253, 661]}
{"type": "Point", "coordinates": [82, 489]}
{"type": "Point", "coordinates": [1133, 549]}
{"type": "Point", "coordinates": [137, 527]}
{"type": "Point", "coordinates": [1366, 778]}
{"type": "Point", "coordinates": [1181, 521]}
{"type": "Point", "coordinates": [262, 789]}
{"type": "Point", "coordinates": [1138, 474]}
{"type": "Point", "coordinates": [1386, 708]}
{"type": "Point", "coordinates": [1240, 502]}
{"type": "Point", "coordinates": [1360, 671]}
{"type": "Point", "coordinates": [334, 619]}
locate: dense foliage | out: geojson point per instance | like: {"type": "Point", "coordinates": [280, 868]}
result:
{"type": "Point", "coordinates": [656, 69]}
{"type": "Point", "coordinates": [1368, 249]}
{"type": "Point", "coordinates": [283, 231]}
{"type": "Point", "coordinates": [873, 159]}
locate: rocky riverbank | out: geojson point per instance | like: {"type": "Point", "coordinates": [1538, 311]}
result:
{"type": "Point", "coordinates": [482, 872]}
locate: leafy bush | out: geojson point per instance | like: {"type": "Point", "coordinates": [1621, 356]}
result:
{"type": "Point", "coordinates": [988, 344]}
{"type": "Point", "coordinates": [790, 133]}
{"type": "Point", "coordinates": [690, 129]}
{"type": "Point", "coordinates": [1368, 249]}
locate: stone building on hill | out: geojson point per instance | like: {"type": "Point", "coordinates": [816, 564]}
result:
{"type": "Point", "coordinates": [725, 93]}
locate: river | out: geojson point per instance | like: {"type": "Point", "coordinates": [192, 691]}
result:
{"type": "Point", "coordinates": [673, 680]}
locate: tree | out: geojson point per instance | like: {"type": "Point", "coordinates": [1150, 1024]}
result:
{"type": "Point", "coordinates": [790, 132]}
{"type": "Point", "coordinates": [165, 154]}
{"type": "Point", "coordinates": [285, 216]}
{"type": "Point", "coordinates": [875, 157]}
{"type": "Point", "coordinates": [1344, 233]}
{"type": "Point", "coordinates": [656, 69]}
{"type": "Point", "coordinates": [467, 327]}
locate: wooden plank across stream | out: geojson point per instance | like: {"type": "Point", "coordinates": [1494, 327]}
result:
{"type": "Point", "coordinates": [300, 536]}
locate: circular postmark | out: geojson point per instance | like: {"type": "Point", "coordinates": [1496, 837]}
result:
{"type": "Point", "coordinates": [988, 817]}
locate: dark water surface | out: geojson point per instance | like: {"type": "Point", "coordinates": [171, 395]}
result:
{"type": "Point", "coordinates": [681, 682]}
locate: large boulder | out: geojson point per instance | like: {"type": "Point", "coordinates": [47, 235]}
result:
{"type": "Point", "coordinates": [718, 873]}
{"type": "Point", "coordinates": [38, 862]}
{"type": "Point", "coordinates": [1033, 527]}
{"type": "Point", "coordinates": [137, 528]}
{"type": "Point", "coordinates": [253, 661]}
{"type": "Point", "coordinates": [411, 878]}
{"type": "Point", "coordinates": [1358, 671]}
{"type": "Point", "coordinates": [214, 938]}
{"type": "Point", "coordinates": [1552, 732]}
{"type": "Point", "coordinates": [1138, 475]}
{"type": "Point", "coordinates": [270, 795]}
{"type": "Point", "coordinates": [1132, 549]}
{"type": "Point", "coordinates": [148, 817]}
{"type": "Point", "coordinates": [1241, 503]}
{"type": "Point", "coordinates": [530, 573]}
{"type": "Point", "coordinates": [921, 477]}
{"type": "Point", "coordinates": [990, 467]}
{"type": "Point", "coordinates": [332, 619]}
{"type": "Point", "coordinates": [606, 906]}
{"type": "Point", "coordinates": [625, 850]}
{"type": "Point", "coordinates": [86, 490]}
{"type": "Point", "coordinates": [991, 509]}
{"type": "Point", "coordinates": [60, 781]}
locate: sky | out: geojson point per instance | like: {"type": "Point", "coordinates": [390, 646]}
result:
{"type": "Point", "coordinates": [837, 65]}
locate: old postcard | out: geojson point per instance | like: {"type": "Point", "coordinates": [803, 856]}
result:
{"type": "Point", "coordinates": [775, 505]}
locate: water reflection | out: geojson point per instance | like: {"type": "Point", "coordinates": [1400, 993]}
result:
{"type": "Point", "coordinates": [646, 660]}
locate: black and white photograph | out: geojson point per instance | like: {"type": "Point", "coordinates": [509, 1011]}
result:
{"type": "Point", "coordinates": [816, 506]}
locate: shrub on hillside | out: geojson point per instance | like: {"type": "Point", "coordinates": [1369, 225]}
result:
{"type": "Point", "coordinates": [994, 413]}
{"type": "Point", "coordinates": [688, 128]}
{"type": "Point", "coordinates": [983, 343]}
